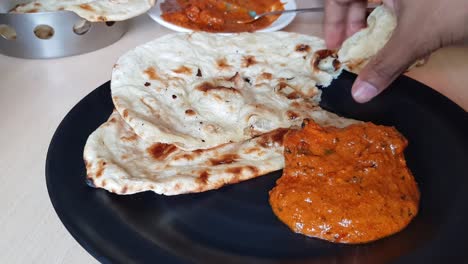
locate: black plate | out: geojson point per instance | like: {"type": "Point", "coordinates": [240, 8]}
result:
{"type": "Point", "coordinates": [236, 225]}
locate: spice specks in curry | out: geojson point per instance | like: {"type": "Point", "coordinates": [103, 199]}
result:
{"type": "Point", "coordinates": [219, 16]}
{"type": "Point", "coordinates": [347, 185]}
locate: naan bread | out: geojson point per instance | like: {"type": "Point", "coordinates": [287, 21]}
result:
{"type": "Point", "coordinates": [358, 49]}
{"type": "Point", "coordinates": [91, 10]}
{"type": "Point", "coordinates": [201, 90]}
{"type": "Point", "coordinates": [121, 162]}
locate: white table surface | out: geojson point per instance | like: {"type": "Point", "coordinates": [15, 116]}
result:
{"type": "Point", "coordinates": [36, 94]}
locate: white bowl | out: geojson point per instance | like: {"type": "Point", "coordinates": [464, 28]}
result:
{"type": "Point", "coordinates": [278, 24]}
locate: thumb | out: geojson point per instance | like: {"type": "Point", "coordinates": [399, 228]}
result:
{"type": "Point", "coordinates": [392, 60]}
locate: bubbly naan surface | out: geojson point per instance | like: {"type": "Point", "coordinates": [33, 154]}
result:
{"type": "Point", "coordinates": [121, 162]}
{"type": "Point", "coordinates": [91, 10]}
{"type": "Point", "coordinates": [198, 111]}
{"type": "Point", "coordinates": [200, 90]}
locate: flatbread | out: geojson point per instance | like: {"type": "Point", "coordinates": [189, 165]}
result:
{"type": "Point", "coordinates": [363, 45]}
{"type": "Point", "coordinates": [91, 10]}
{"type": "Point", "coordinates": [121, 162]}
{"type": "Point", "coordinates": [201, 90]}
{"type": "Point", "coordinates": [358, 49]}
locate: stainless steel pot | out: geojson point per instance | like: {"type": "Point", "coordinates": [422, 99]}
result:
{"type": "Point", "coordinates": [52, 34]}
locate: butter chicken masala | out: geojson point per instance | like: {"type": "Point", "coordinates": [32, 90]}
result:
{"type": "Point", "coordinates": [348, 185]}
{"type": "Point", "coordinates": [219, 15]}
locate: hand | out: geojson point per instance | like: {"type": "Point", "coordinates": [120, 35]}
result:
{"type": "Point", "coordinates": [422, 27]}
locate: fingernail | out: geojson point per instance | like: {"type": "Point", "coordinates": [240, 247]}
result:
{"type": "Point", "coordinates": [364, 92]}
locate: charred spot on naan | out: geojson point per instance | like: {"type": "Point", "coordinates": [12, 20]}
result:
{"type": "Point", "coordinates": [207, 87]}
{"type": "Point", "coordinates": [289, 92]}
{"type": "Point", "coordinates": [302, 48]}
{"type": "Point", "coordinates": [272, 139]}
{"type": "Point", "coordinates": [188, 156]}
{"type": "Point", "coordinates": [292, 115]}
{"type": "Point", "coordinates": [248, 61]}
{"type": "Point", "coordinates": [223, 64]}
{"type": "Point", "coordinates": [101, 18]}
{"type": "Point", "coordinates": [190, 112]}
{"type": "Point", "coordinates": [238, 80]}
{"type": "Point", "coordinates": [234, 170]}
{"type": "Point", "coordinates": [293, 96]}
{"type": "Point", "coordinates": [183, 70]}
{"type": "Point", "coordinates": [86, 7]}
{"type": "Point", "coordinates": [203, 178]}
{"type": "Point", "coordinates": [151, 73]}
{"type": "Point", "coordinates": [147, 84]}
{"type": "Point", "coordinates": [282, 85]}
{"type": "Point", "coordinates": [129, 138]}
{"type": "Point", "coordinates": [199, 73]}
{"type": "Point", "coordinates": [321, 55]}
{"type": "Point", "coordinates": [224, 159]}
{"type": "Point", "coordinates": [247, 80]}
{"type": "Point", "coordinates": [160, 151]}
{"type": "Point", "coordinates": [252, 150]}
{"type": "Point", "coordinates": [184, 156]}
{"type": "Point", "coordinates": [253, 170]}
{"type": "Point", "coordinates": [125, 113]}
{"type": "Point", "coordinates": [100, 168]}
{"type": "Point", "coordinates": [238, 170]}
{"type": "Point", "coordinates": [266, 76]}
{"type": "Point", "coordinates": [124, 189]}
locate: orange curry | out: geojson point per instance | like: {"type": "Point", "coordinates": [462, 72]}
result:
{"type": "Point", "coordinates": [219, 15]}
{"type": "Point", "coordinates": [347, 185]}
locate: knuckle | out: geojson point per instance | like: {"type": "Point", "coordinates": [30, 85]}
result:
{"type": "Point", "coordinates": [382, 70]}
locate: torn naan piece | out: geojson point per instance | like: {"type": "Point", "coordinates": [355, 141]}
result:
{"type": "Point", "coordinates": [91, 10]}
{"type": "Point", "coordinates": [200, 90]}
{"type": "Point", "coordinates": [358, 49]}
{"type": "Point", "coordinates": [363, 45]}
{"type": "Point", "coordinates": [121, 162]}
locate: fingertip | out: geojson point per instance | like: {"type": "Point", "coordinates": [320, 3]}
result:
{"type": "Point", "coordinates": [356, 19]}
{"type": "Point", "coordinates": [334, 35]}
{"type": "Point", "coordinates": [335, 22]}
{"type": "Point", "coordinates": [363, 91]}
